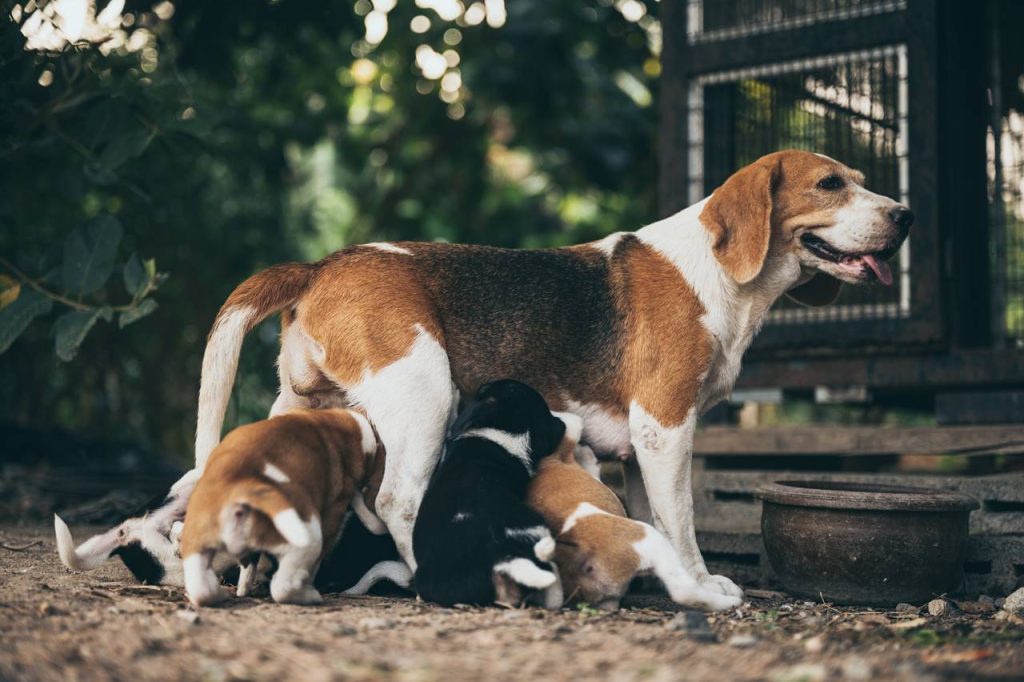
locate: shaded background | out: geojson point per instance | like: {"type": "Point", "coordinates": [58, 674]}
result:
{"type": "Point", "coordinates": [227, 136]}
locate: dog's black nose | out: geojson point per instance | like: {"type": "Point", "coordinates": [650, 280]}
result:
{"type": "Point", "coordinates": [903, 217]}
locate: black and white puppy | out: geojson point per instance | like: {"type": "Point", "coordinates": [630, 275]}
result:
{"type": "Point", "coordinates": [475, 540]}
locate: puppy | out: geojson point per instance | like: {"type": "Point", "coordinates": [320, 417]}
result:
{"type": "Point", "coordinates": [280, 487]}
{"type": "Point", "coordinates": [599, 551]}
{"type": "Point", "coordinates": [475, 540]}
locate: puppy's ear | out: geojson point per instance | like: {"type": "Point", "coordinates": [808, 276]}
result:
{"type": "Point", "coordinates": [476, 414]}
{"type": "Point", "coordinates": [819, 290]}
{"type": "Point", "coordinates": [545, 437]}
{"type": "Point", "coordinates": [739, 215]}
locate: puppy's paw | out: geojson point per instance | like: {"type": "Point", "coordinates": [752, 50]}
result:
{"type": "Point", "coordinates": [306, 596]}
{"type": "Point", "coordinates": [721, 585]}
{"type": "Point", "coordinates": [175, 535]}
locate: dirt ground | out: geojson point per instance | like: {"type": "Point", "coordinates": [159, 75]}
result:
{"type": "Point", "coordinates": [103, 626]}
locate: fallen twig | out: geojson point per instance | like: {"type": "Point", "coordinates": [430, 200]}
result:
{"type": "Point", "coordinates": [20, 548]}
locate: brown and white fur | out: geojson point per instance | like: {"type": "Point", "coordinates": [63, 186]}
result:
{"type": "Point", "coordinates": [638, 333]}
{"type": "Point", "coordinates": [599, 550]}
{"type": "Point", "coordinates": [282, 487]}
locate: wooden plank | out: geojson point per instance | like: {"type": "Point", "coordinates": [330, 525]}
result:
{"type": "Point", "coordinates": [989, 407]}
{"type": "Point", "coordinates": [673, 172]}
{"type": "Point", "coordinates": [859, 440]}
{"type": "Point", "coordinates": [797, 43]}
{"type": "Point", "coordinates": [992, 368]}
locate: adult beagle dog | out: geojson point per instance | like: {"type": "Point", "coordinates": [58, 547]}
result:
{"type": "Point", "coordinates": [637, 333]}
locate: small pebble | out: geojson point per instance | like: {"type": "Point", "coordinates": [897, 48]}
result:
{"type": "Point", "coordinates": [938, 607]}
{"type": "Point", "coordinates": [856, 668]}
{"type": "Point", "coordinates": [742, 641]}
{"type": "Point", "coordinates": [906, 608]}
{"type": "Point", "coordinates": [1014, 603]}
{"type": "Point", "coordinates": [190, 617]}
{"type": "Point", "coordinates": [814, 645]}
{"type": "Point", "coordinates": [376, 624]}
{"type": "Point", "coordinates": [803, 672]}
{"type": "Point", "coordinates": [985, 599]}
{"type": "Point", "coordinates": [694, 624]}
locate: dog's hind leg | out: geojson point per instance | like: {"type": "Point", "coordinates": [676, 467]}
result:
{"type": "Point", "coordinates": [410, 403]}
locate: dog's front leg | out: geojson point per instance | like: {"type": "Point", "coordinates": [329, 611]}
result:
{"type": "Point", "coordinates": [664, 453]}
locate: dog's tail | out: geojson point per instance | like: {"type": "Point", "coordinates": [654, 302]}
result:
{"type": "Point", "coordinates": [252, 301]}
{"type": "Point", "coordinates": [91, 554]}
{"type": "Point", "coordinates": [268, 500]}
{"type": "Point", "coordinates": [395, 571]}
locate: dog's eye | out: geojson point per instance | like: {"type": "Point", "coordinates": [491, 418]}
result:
{"type": "Point", "coordinates": [832, 182]}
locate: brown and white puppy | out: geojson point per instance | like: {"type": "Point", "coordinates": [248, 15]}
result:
{"type": "Point", "coordinates": [280, 487]}
{"type": "Point", "coordinates": [638, 333]}
{"type": "Point", "coordinates": [599, 550]}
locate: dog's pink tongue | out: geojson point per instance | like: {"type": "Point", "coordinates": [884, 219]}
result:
{"type": "Point", "coordinates": [881, 268]}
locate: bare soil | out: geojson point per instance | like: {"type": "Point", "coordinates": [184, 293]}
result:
{"type": "Point", "coordinates": [103, 626]}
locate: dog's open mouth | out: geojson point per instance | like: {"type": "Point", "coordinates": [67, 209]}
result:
{"type": "Point", "coordinates": [873, 263]}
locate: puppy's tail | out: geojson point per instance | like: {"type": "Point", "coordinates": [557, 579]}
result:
{"type": "Point", "coordinates": [278, 508]}
{"type": "Point", "coordinates": [395, 571]}
{"type": "Point", "coordinates": [93, 551]}
{"type": "Point", "coordinates": [252, 301]}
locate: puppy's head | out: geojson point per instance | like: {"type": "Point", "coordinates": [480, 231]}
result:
{"type": "Point", "coordinates": [514, 408]}
{"type": "Point", "coordinates": [592, 575]}
{"type": "Point", "coordinates": [805, 211]}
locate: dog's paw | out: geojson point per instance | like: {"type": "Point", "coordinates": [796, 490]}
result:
{"type": "Point", "coordinates": [721, 585]}
{"type": "Point", "coordinates": [305, 596]}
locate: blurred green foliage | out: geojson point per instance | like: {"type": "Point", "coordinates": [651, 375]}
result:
{"type": "Point", "coordinates": [227, 136]}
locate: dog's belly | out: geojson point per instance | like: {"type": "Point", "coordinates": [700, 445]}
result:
{"type": "Point", "coordinates": [605, 430]}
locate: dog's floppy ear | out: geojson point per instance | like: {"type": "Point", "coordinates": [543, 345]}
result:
{"type": "Point", "coordinates": [819, 290]}
{"type": "Point", "coordinates": [739, 217]}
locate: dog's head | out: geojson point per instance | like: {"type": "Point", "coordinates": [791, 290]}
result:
{"type": "Point", "coordinates": [805, 210]}
{"type": "Point", "coordinates": [516, 409]}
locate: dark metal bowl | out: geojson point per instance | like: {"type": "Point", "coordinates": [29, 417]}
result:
{"type": "Point", "coordinates": [855, 543]}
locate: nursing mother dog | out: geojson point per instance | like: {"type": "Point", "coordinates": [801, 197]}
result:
{"type": "Point", "coordinates": [637, 333]}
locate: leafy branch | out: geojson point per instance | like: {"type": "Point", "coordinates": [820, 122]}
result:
{"type": "Point", "coordinates": [89, 260]}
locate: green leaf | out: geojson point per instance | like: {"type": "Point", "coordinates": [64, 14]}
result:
{"type": "Point", "coordinates": [124, 147]}
{"type": "Point", "coordinates": [89, 254]}
{"type": "Point", "coordinates": [16, 317]}
{"type": "Point", "coordinates": [135, 275]}
{"type": "Point", "coordinates": [144, 308]}
{"type": "Point", "coordinates": [99, 174]}
{"type": "Point", "coordinates": [72, 327]}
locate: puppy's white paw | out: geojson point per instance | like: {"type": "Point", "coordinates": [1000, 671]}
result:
{"type": "Point", "coordinates": [305, 596]}
{"type": "Point", "coordinates": [175, 535]}
{"type": "Point", "coordinates": [721, 585]}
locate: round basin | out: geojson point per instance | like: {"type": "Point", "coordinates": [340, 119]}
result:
{"type": "Point", "coordinates": [858, 543]}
